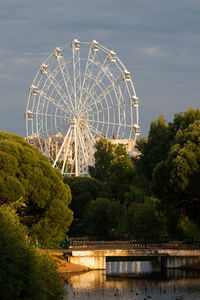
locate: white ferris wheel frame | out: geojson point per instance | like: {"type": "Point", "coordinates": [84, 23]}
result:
{"type": "Point", "coordinates": [76, 99]}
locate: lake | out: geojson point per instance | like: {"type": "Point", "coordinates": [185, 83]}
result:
{"type": "Point", "coordinates": [134, 280]}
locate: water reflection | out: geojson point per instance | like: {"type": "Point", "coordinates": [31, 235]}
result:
{"type": "Point", "coordinates": [135, 267]}
{"type": "Point", "coordinates": [134, 281]}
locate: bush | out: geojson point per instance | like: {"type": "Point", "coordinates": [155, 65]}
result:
{"type": "Point", "coordinates": [25, 273]}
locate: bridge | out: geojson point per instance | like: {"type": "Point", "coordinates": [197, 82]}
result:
{"type": "Point", "coordinates": [93, 254]}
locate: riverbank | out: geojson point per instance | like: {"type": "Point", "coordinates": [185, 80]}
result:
{"type": "Point", "coordinates": [67, 269]}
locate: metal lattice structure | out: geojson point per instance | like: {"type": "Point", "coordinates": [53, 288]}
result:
{"type": "Point", "coordinates": [81, 92]}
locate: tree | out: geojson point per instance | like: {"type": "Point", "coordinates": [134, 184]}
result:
{"type": "Point", "coordinates": [121, 173]}
{"type": "Point", "coordinates": [184, 176]}
{"type": "Point", "coordinates": [144, 220]}
{"type": "Point", "coordinates": [102, 216]}
{"type": "Point", "coordinates": [27, 177]}
{"type": "Point", "coordinates": [183, 119]}
{"type": "Point", "coordinates": [104, 155]}
{"type": "Point", "coordinates": [83, 190]}
{"type": "Point", "coordinates": [24, 272]}
{"type": "Point", "coordinates": [113, 165]}
{"type": "Point", "coordinates": [175, 178]}
{"type": "Point", "coordinates": [190, 229]}
{"type": "Point", "coordinates": [154, 149]}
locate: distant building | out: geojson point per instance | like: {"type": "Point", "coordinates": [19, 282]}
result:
{"type": "Point", "coordinates": [51, 146]}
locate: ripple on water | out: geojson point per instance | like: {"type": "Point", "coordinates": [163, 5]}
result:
{"type": "Point", "coordinates": [134, 281]}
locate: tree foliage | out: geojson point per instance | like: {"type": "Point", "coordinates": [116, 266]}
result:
{"type": "Point", "coordinates": [113, 165]}
{"type": "Point", "coordinates": [153, 149]}
{"type": "Point", "coordinates": [24, 272]}
{"type": "Point", "coordinates": [167, 169]}
{"type": "Point", "coordinates": [83, 190]}
{"type": "Point", "coordinates": [104, 155]}
{"type": "Point", "coordinates": [27, 176]}
{"type": "Point", "coordinates": [144, 220]}
{"type": "Point", "coordinates": [102, 216]}
{"type": "Point", "coordinates": [170, 159]}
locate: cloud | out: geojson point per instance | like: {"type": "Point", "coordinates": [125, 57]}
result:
{"type": "Point", "coordinates": [5, 76]}
{"type": "Point", "coordinates": [21, 61]}
{"type": "Point", "coordinates": [153, 51]}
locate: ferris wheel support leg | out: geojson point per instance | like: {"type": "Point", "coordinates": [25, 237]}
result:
{"type": "Point", "coordinates": [61, 148]}
{"type": "Point", "coordinates": [76, 152]}
{"type": "Point", "coordinates": [67, 151]}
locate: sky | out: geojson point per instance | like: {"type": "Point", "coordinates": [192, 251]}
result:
{"type": "Point", "coordinates": [158, 41]}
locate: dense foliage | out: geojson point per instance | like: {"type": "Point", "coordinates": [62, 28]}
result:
{"type": "Point", "coordinates": [157, 192]}
{"type": "Point", "coordinates": [28, 180]}
{"type": "Point", "coordinates": [170, 164]}
{"type": "Point", "coordinates": [113, 166]}
{"type": "Point", "coordinates": [84, 190]}
{"type": "Point", "coordinates": [102, 215]}
{"type": "Point", "coordinates": [25, 273]}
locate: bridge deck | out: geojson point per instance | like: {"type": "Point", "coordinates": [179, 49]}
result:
{"type": "Point", "coordinates": [128, 246]}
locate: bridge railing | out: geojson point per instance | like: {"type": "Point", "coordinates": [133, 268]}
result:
{"type": "Point", "coordinates": [74, 243]}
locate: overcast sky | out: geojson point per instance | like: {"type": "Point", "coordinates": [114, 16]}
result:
{"type": "Point", "coordinates": [157, 40]}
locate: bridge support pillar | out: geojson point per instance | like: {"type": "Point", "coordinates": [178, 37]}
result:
{"type": "Point", "coordinates": [91, 262]}
{"type": "Point", "coordinates": [177, 262]}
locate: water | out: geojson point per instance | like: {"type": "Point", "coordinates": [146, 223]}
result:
{"type": "Point", "coordinates": [130, 280]}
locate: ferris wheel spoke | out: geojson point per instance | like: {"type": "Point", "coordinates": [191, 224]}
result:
{"type": "Point", "coordinates": [97, 78]}
{"type": "Point", "coordinates": [84, 77]}
{"type": "Point", "coordinates": [104, 109]}
{"type": "Point", "coordinates": [82, 144]}
{"type": "Point", "coordinates": [60, 91]}
{"type": "Point", "coordinates": [110, 123]}
{"type": "Point", "coordinates": [50, 115]}
{"type": "Point", "coordinates": [87, 137]}
{"type": "Point", "coordinates": [66, 72]}
{"type": "Point", "coordinates": [93, 96]}
{"type": "Point", "coordinates": [107, 91]}
{"type": "Point", "coordinates": [51, 78]}
{"type": "Point", "coordinates": [87, 74]}
{"type": "Point", "coordinates": [53, 131]}
{"type": "Point", "coordinates": [96, 131]}
{"type": "Point", "coordinates": [53, 101]}
{"type": "Point", "coordinates": [65, 82]}
{"type": "Point", "coordinates": [91, 142]}
{"type": "Point", "coordinates": [76, 75]}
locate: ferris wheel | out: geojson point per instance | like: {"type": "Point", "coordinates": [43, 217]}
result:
{"type": "Point", "coordinates": [80, 93]}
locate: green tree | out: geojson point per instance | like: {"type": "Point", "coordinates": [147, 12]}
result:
{"type": "Point", "coordinates": [144, 220]}
{"type": "Point", "coordinates": [104, 155]}
{"type": "Point", "coordinates": [190, 229]}
{"type": "Point", "coordinates": [175, 178]}
{"type": "Point", "coordinates": [24, 272]}
{"type": "Point", "coordinates": [184, 176]}
{"type": "Point", "coordinates": [135, 194]}
{"type": "Point", "coordinates": [121, 173]}
{"type": "Point", "coordinates": [83, 190]}
{"type": "Point", "coordinates": [154, 149]}
{"type": "Point", "coordinates": [27, 176]}
{"type": "Point", "coordinates": [113, 165]}
{"type": "Point", "coordinates": [183, 119]}
{"type": "Point", "coordinates": [102, 216]}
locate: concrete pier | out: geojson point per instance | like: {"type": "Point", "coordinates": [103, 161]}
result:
{"type": "Point", "coordinates": [169, 258]}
